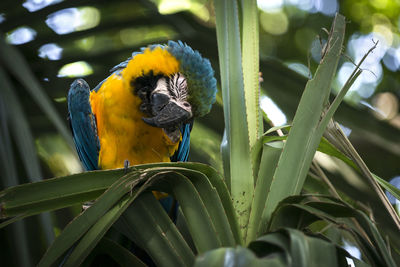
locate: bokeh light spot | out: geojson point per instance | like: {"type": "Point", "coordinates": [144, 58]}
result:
{"type": "Point", "coordinates": [166, 7]}
{"type": "Point", "coordinates": [344, 73]}
{"type": "Point", "coordinates": [86, 44]}
{"type": "Point", "coordinates": [372, 73]}
{"type": "Point", "coordinates": [386, 104]}
{"type": "Point", "coordinates": [50, 51]}
{"type": "Point", "coordinates": [90, 18]}
{"type": "Point", "coordinates": [305, 5]}
{"type": "Point", "coordinates": [73, 19]}
{"type": "Point", "coordinates": [385, 32]}
{"type": "Point", "coordinates": [392, 59]}
{"type": "Point", "coordinates": [34, 5]}
{"type": "Point", "coordinates": [366, 83]}
{"type": "Point", "coordinates": [275, 23]}
{"type": "Point", "coordinates": [56, 153]}
{"type": "Point", "coordinates": [328, 8]}
{"type": "Point", "coordinates": [173, 6]}
{"type": "Point", "coordinates": [76, 69]}
{"type": "Point", "coordinates": [21, 35]}
{"type": "Point", "coordinates": [270, 5]}
{"type": "Point", "coordinates": [64, 21]}
{"type": "Point", "coordinates": [273, 112]}
{"type": "Point", "coordinates": [379, 4]}
{"type": "Point", "coordinates": [2, 17]}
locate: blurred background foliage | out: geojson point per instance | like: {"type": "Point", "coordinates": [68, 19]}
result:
{"type": "Point", "coordinates": [51, 42]}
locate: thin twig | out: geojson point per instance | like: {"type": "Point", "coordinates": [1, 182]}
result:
{"type": "Point", "coordinates": [325, 179]}
{"type": "Point", "coordinates": [315, 166]}
{"type": "Point", "coordinates": [366, 173]}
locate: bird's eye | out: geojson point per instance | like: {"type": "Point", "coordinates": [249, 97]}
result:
{"type": "Point", "coordinates": [186, 104]}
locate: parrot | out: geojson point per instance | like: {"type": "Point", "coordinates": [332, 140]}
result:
{"type": "Point", "coordinates": [144, 111]}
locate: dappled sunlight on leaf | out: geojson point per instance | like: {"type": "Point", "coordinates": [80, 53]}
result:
{"type": "Point", "coordinates": [53, 150]}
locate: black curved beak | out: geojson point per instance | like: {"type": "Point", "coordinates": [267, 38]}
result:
{"type": "Point", "coordinates": [170, 115]}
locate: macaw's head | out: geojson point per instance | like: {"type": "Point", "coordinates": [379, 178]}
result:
{"type": "Point", "coordinates": [176, 84]}
{"type": "Point", "coordinates": [167, 102]}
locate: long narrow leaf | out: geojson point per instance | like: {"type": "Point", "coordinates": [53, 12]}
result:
{"type": "Point", "coordinates": [223, 193]}
{"type": "Point", "coordinates": [119, 254]}
{"type": "Point", "coordinates": [96, 232]}
{"type": "Point", "coordinates": [229, 49]}
{"type": "Point", "coordinates": [51, 194]}
{"type": "Point", "coordinates": [56, 193]}
{"type": "Point", "coordinates": [199, 222]}
{"type": "Point", "coordinates": [24, 140]}
{"type": "Point", "coordinates": [300, 249]}
{"type": "Point", "coordinates": [257, 149]}
{"type": "Point", "coordinates": [303, 137]}
{"type": "Point", "coordinates": [9, 178]}
{"type": "Point", "coordinates": [86, 220]}
{"type": "Point", "coordinates": [16, 64]}
{"type": "Point", "coordinates": [301, 211]}
{"type": "Point", "coordinates": [328, 148]}
{"type": "Point", "coordinates": [341, 139]}
{"type": "Point", "coordinates": [147, 223]}
{"type": "Point", "coordinates": [250, 59]}
{"type": "Point", "coordinates": [20, 129]}
{"type": "Point", "coordinates": [269, 160]}
{"type": "Point", "coordinates": [389, 187]}
{"type": "Point", "coordinates": [212, 204]}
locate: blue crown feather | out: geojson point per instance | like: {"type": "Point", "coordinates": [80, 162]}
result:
{"type": "Point", "coordinates": [202, 85]}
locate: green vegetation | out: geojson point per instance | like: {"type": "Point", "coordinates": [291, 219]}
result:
{"type": "Point", "coordinates": [266, 199]}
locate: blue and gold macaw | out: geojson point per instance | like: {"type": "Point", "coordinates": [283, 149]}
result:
{"type": "Point", "coordinates": [144, 111]}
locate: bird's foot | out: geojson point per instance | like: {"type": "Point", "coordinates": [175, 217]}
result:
{"type": "Point", "coordinates": [126, 166]}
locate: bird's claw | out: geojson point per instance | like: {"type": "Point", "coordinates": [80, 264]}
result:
{"type": "Point", "coordinates": [126, 166]}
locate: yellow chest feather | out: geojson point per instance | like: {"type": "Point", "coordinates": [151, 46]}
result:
{"type": "Point", "coordinates": [122, 133]}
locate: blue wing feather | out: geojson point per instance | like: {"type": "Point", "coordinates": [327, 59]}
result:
{"type": "Point", "coordinates": [182, 153]}
{"type": "Point", "coordinates": [83, 124]}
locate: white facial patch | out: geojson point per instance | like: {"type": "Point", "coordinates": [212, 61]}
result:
{"type": "Point", "coordinates": [161, 87]}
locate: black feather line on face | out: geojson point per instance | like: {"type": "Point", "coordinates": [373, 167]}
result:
{"type": "Point", "coordinates": [143, 86]}
{"type": "Point", "coordinates": [177, 86]}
